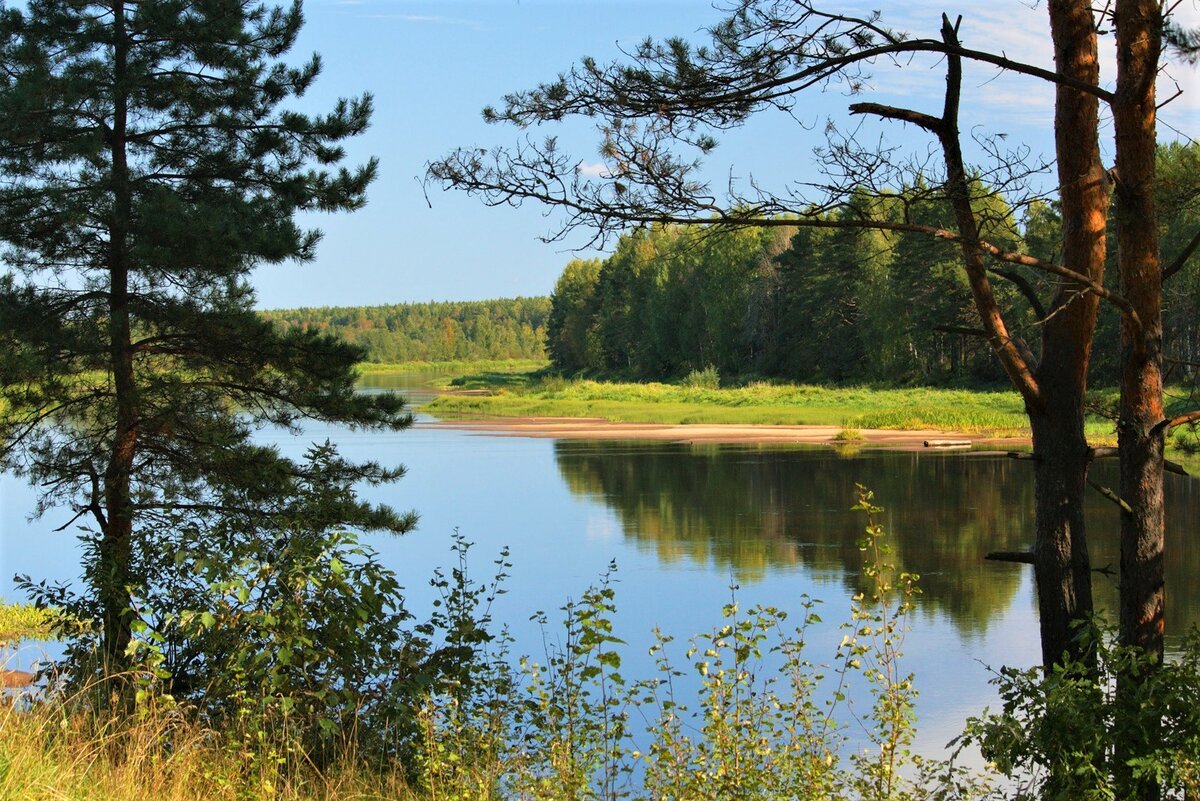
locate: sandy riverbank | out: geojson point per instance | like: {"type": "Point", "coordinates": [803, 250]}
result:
{"type": "Point", "coordinates": [596, 428]}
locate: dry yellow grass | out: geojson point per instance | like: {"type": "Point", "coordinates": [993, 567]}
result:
{"type": "Point", "coordinates": [56, 751]}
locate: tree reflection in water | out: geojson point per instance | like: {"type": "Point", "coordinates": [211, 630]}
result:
{"type": "Point", "coordinates": [752, 509]}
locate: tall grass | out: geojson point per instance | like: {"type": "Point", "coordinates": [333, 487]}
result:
{"type": "Point", "coordinates": [68, 749]}
{"type": "Point", "coordinates": [989, 413]}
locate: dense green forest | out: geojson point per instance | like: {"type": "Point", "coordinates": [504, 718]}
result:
{"type": "Point", "coordinates": [843, 304]}
{"type": "Point", "coordinates": [485, 329]}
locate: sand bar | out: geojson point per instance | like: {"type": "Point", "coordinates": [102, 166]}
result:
{"type": "Point", "coordinates": [599, 428]}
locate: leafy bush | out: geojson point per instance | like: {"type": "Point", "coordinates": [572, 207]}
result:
{"type": "Point", "coordinates": [1081, 732]}
{"type": "Point", "coordinates": [746, 714]}
{"type": "Point", "coordinates": [708, 378]}
{"type": "Point", "coordinates": [280, 625]}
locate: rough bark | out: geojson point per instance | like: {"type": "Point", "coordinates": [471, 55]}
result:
{"type": "Point", "coordinates": [1062, 567]}
{"type": "Point", "coordinates": [117, 530]}
{"type": "Point", "coordinates": [1140, 438]}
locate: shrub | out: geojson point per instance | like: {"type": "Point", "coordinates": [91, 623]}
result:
{"type": "Point", "coordinates": [708, 378]}
{"type": "Point", "coordinates": [280, 625]}
{"type": "Point", "coordinates": [1075, 733]}
{"type": "Point", "coordinates": [746, 713]}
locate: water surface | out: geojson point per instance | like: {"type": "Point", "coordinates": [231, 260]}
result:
{"type": "Point", "coordinates": [685, 524]}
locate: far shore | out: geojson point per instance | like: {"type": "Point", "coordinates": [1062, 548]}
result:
{"type": "Point", "coordinates": [599, 428]}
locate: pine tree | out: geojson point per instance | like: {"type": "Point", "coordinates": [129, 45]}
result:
{"type": "Point", "coordinates": [148, 165]}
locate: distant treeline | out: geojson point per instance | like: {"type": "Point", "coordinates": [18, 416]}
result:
{"type": "Point", "coordinates": [846, 304]}
{"type": "Point", "coordinates": [486, 329]}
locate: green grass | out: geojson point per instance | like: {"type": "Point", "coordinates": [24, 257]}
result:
{"type": "Point", "coordinates": [525, 388]}
{"type": "Point", "coordinates": [977, 411]}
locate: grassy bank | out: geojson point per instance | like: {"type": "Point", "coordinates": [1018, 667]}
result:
{"type": "Point", "coordinates": [525, 388]}
{"type": "Point", "coordinates": [989, 413]}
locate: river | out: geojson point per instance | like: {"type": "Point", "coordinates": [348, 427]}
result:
{"type": "Point", "coordinates": [686, 524]}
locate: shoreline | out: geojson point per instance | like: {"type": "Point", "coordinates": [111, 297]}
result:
{"type": "Point", "coordinates": [718, 433]}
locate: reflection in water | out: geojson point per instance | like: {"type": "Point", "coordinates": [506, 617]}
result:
{"type": "Point", "coordinates": [751, 509]}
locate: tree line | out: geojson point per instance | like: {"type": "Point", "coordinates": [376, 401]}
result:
{"type": "Point", "coordinates": [509, 328]}
{"type": "Point", "coordinates": [845, 304]}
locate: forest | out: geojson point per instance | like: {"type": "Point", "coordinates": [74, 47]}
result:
{"type": "Point", "coordinates": [845, 305]}
{"type": "Point", "coordinates": [485, 329]}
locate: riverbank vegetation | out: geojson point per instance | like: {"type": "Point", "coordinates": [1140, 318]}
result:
{"type": "Point", "coordinates": [23, 622]}
{"type": "Point", "coordinates": [503, 329]}
{"type": "Point", "coordinates": [987, 413]}
{"type": "Point", "coordinates": [981, 413]}
{"type": "Point", "coordinates": [843, 304]}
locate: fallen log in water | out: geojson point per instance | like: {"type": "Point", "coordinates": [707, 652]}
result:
{"type": "Point", "coordinates": [947, 443]}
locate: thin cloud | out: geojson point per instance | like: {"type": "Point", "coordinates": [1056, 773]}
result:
{"type": "Point", "coordinates": [590, 170]}
{"type": "Point", "coordinates": [423, 19]}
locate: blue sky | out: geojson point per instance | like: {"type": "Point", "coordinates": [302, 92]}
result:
{"type": "Point", "coordinates": [432, 66]}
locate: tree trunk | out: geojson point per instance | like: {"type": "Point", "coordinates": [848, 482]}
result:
{"type": "Point", "coordinates": [1061, 564]}
{"type": "Point", "coordinates": [113, 571]}
{"type": "Point", "coordinates": [1054, 393]}
{"type": "Point", "coordinates": [1139, 437]}
{"type": "Point", "coordinates": [1062, 567]}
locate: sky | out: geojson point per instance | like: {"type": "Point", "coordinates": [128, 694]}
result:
{"type": "Point", "coordinates": [432, 66]}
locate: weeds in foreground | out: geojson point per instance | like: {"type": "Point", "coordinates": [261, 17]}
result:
{"type": "Point", "coordinates": [68, 749]}
{"type": "Point", "coordinates": [745, 711]}
{"type": "Point", "coordinates": [741, 712]}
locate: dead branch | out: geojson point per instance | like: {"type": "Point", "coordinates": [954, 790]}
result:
{"type": "Point", "coordinates": [1025, 288]}
{"type": "Point", "coordinates": [1177, 264]}
{"type": "Point", "coordinates": [1175, 422]}
{"type": "Point", "coordinates": [1112, 496]}
{"type": "Point", "coordinates": [1115, 453]}
{"type": "Point", "coordinates": [1020, 557]}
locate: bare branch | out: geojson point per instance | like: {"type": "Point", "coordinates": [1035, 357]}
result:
{"type": "Point", "coordinates": [1025, 288]}
{"type": "Point", "coordinates": [1111, 495]}
{"type": "Point", "coordinates": [929, 123]}
{"type": "Point", "coordinates": [1019, 370]}
{"type": "Point", "coordinates": [1175, 422]}
{"type": "Point", "coordinates": [959, 329]}
{"type": "Point", "coordinates": [1115, 453]}
{"type": "Point", "coordinates": [1019, 557]}
{"type": "Point", "coordinates": [1177, 264]}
